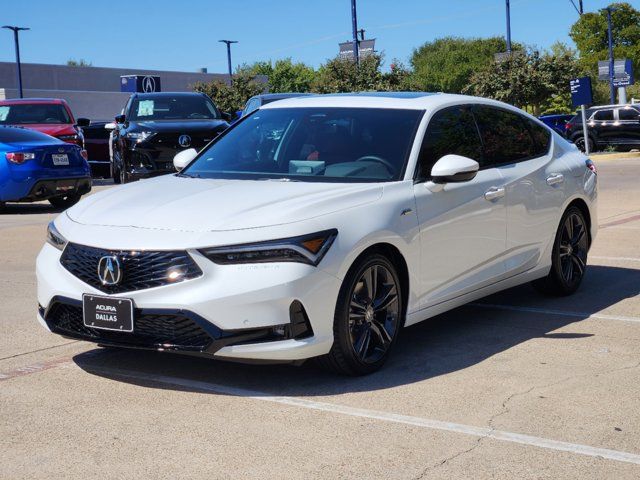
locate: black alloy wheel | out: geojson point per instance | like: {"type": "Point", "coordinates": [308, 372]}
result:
{"type": "Point", "coordinates": [369, 314]}
{"type": "Point", "coordinates": [64, 201]}
{"type": "Point", "coordinates": [569, 256]}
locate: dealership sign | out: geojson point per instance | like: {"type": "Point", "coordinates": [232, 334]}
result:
{"type": "Point", "coordinates": [365, 47]}
{"type": "Point", "coordinates": [581, 92]}
{"type": "Point", "coordinates": [139, 83]}
{"type": "Point", "coordinates": [622, 72]}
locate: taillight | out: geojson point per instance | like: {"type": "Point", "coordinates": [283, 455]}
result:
{"type": "Point", "coordinates": [19, 157]}
{"type": "Point", "coordinates": [568, 126]}
{"type": "Point", "coordinates": [591, 166]}
{"type": "Point", "coordinates": [84, 154]}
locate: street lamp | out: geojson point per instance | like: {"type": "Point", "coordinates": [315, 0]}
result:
{"type": "Point", "coordinates": [508, 27]}
{"type": "Point", "coordinates": [229, 42]}
{"type": "Point", "coordinates": [354, 24]}
{"type": "Point", "coordinates": [612, 89]}
{"type": "Point", "coordinates": [15, 37]}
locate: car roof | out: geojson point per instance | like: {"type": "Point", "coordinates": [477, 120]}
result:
{"type": "Point", "coordinates": [168, 94]}
{"type": "Point", "coordinates": [16, 101]}
{"type": "Point", "coordinates": [394, 100]}
{"type": "Point", "coordinates": [282, 95]}
{"type": "Point", "coordinates": [616, 105]}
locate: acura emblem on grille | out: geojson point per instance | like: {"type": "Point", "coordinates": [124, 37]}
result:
{"type": "Point", "coordinates": [184, 140]}
{"type": "Point", "coordinates": [109, 270]}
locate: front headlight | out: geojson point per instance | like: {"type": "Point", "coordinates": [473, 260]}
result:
{"type": "Point", "coordinates": [307, 249]}
{"type": "Point", "coordinates": [139, 137]}
{"type": "Point", "coordinates": [54, 237]}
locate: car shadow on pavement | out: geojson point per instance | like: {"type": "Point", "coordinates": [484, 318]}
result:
{"type": "Point", "coordinates": [444, 344]}
{"type": "Point", "coordinates": [28, 208]}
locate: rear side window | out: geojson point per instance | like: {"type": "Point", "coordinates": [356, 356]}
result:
{"type": "Point", "coordinates": [505, 135]}
{"type": "Point", "coordinates": [604, 115]}
{"type": "Point", "coordinates": [629, 114]}
{"type": "Point", "coordinates": [450, 131]}
{"type": "Point", "coordinates": [541, 137]}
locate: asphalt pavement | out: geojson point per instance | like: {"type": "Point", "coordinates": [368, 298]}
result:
{"type": "Point", "coordinates": [517, 385]}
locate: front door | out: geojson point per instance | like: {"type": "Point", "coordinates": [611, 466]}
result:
{"type": "Point", "coordinates": [462, 227]}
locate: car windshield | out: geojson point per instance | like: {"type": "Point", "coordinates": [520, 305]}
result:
{"type": "Point", "coordinates": [33, 113]}
{"type": "Point", "coordinates": [313, 144]}
{"type": "Point", "coordinates": [180, 107]}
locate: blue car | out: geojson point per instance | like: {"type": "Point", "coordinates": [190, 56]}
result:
{"type": "Point", "coordinates": [35, 166]}
{"type": "Point", "coordinates": [557, 122]}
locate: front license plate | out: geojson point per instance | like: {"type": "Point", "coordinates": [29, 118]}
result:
{"type": "Point", "coordinates": [60, 159]}
{"type": "Point", "coordinates": [107, 313]}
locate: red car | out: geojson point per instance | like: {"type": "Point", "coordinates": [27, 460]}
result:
{"type": "Point", "coordinates": [47, 115]}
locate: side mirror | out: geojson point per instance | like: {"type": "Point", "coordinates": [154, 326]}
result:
{"type": "Point", "coordinates": [183, 158]}
{"type": "Point", "coordinates": [110, 126]}
{"type": "Point", "coordinates": [83, 122]}
{"type": "Point", "coordinates": [120, 119]}
{"type": "Point", "coordinates": [452, 169]}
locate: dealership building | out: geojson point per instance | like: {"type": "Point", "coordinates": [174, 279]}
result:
{"type": "Point", "coordinates": [92, 92]}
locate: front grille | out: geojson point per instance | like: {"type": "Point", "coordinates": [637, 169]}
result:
{"type": "Point", "coordinates": [140, 269]}
{"type": "Point", "coordinates": [170, 140]}
{"type": "Point", "coordinates": [168, 331]}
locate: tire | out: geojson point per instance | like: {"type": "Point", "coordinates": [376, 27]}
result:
{"type": "Point", "coordinates": [115, 174]}
{"type": "Point", "coordinates": [124, 176]}
{"type": "Point", "coordinates": [364, 334]}
{"type": "Point", "coordinates": [65, 202]}
{"type": "Point", "coordinates": [579, 142]}
{"type": "Point", "coordinates": [568, 257]}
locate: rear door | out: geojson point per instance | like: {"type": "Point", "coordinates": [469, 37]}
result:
{"type": "Point", "coordinates": [462, 231]}
{"type": "Point", "coordinates": [534, 182]}
{"type": "Point", "coordinates": [629, 121]}
{"type": "Point", "coordinates": [603, 123]}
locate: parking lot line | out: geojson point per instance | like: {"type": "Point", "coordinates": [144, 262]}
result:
{"type": "Point", "coordinates": [582, 315]}
{"type": "Point", "coordinates": [614, 259]}
{"type": "Point", "coordinates": [420, 422]}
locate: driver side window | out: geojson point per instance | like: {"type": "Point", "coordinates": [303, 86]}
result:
{"type": "Point", "coordinates": [451, 130]}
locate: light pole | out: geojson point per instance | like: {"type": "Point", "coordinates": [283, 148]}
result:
{"type": "Point", "coordinates": [508, 27]}
{"type": "Point", "coordinates": [612, 89]}
{"type": "Point", "coordinates": [229, 42]}
{"type": "Point", "coordinates": [19, 69]}
{"type": "Point", "coordinates": [354, 23]}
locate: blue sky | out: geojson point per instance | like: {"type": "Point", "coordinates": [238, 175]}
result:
{"type": "Point", "coordinates": [183, 35]}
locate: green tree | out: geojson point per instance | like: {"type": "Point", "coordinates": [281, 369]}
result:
{"type": "Point", "coordinates": [285, 75]}
{"type": "Point", "coordinates": [231, 97]}
{"type": "Point", "coordinates": [78, 63]}
{"type": "Point", "coordinates": [528, 80]}
{"type": "Point", "coordinates": [590, 34]}
{"type": "Point", "coordinates": [343, 75]}
{"type": "Point", "coordinates": [447, 64]}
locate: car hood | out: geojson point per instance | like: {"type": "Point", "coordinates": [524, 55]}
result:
{"type": "Point", "coordinates": [53, 130]}
{"type": "Point", "coordinates": [182, 126]}
{"type": "Point", "coordinates": [204, 205]}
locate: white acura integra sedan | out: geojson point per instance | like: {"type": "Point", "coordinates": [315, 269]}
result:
{"type": "Point", "coordinates": [319, 227]}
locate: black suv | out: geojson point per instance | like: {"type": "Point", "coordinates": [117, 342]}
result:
{"type": "Point", "coordinates": [609, 125]}
{"type": "Point", "coordinates": [156, 126]}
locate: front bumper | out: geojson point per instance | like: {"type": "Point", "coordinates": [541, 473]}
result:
{"type": "Point", "coordinates": [244, 312]}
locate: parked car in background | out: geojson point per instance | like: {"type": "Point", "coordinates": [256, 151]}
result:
{"type": "Point", "coordinates": [557, 122]}
{"type": "Point", "coordinates": [609, 125]}
{"type": "Point", "coordinates": [47, 115]}
{"type": "Point", "coordinates": [321, 227]}
{"type": "Point", "coordinates": [96, 142]}
{"type": "Point", "coordinates": [257, 101]}
{"type": "Point", "coordinates": [156, 126]}
{"type": "Point", "coordinates": [35, 166]}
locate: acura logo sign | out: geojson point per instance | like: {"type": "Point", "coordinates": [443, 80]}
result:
{"type": "Point", "coordinates": [184, 141]}
{"type": "Point", "coordinates": [109, 270]}
{"type": "Point", "coordinates": [148, 84]}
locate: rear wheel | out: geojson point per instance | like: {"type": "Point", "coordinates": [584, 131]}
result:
{"type": "Point", "coordinates": [569, 256]}
{"type": "Point", "coordinates": [65, 201]}
{"type": "Point", "coordinates": [368, 317]}
{"type": "Point", "coordinates": [579, 142]}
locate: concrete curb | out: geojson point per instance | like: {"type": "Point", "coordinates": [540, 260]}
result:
{"type": "Point", "coordinates": [598, 157]}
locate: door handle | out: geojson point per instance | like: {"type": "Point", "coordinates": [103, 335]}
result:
{"type": "Point", "coordinates": [555, 178]}
{"type": "Point", "coordinates": [494, 193]}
